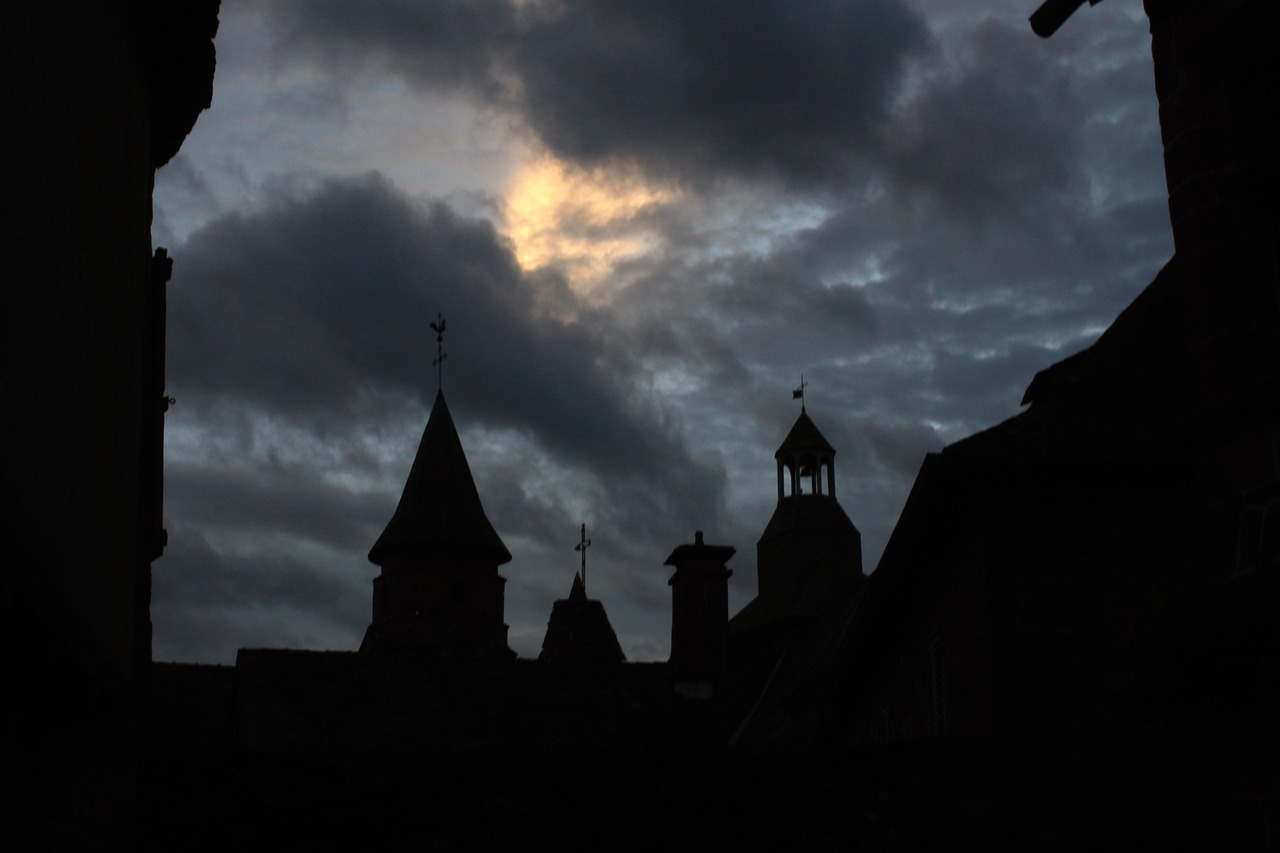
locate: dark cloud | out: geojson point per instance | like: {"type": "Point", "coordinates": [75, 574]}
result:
{"type": "Point", "coordinates": [305, 326]}
{"type": "Point", "coordinates": [995, 136]}
{"type": "Point", "coordinates": [446, 43]}
{"type": "Point", "coordinates": [691, 91]}
{"type": "Point", "coordinates": [697, 89]}
{"type": "Point", "coordinates": [205, 603]}
{"type": "Point", "coordinates": [878, 449]}
{"type": "Point", "coordinates": [916, 223]}
{"type": "Point", "coordinates": [320, 305]}
{"type": "Point", "coordinates": [185, 188]}
{"type": "Point", "coordinates": [785, 291]}
{"type": "Point", "coordinates": [258, 500]}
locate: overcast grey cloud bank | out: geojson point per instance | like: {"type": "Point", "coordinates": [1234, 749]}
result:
{"type": "Point", "coordinates": [325, 301]}
{"type": "Point", "coordinates": [312, 317]}
{"type": "Point", "coordinates": [692, 91]}
{"type": "Point", "coordinates": [915, 206]}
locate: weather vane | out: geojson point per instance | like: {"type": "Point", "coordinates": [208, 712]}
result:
{"type": "Point", "coordinates": [798, 393]}
{"type": "Point", "coordinates": [441, 355]}
{"type": "Point", "coordinates": [582, 546]}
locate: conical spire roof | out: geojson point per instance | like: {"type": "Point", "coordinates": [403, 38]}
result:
{"type": "Point", "coordinates": [440, 511]}
{"type": "Point", "coordinates": [804, 436]}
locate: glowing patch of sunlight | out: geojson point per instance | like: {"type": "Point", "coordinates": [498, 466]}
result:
{"type": "Point", "coordinates": [581, 221]}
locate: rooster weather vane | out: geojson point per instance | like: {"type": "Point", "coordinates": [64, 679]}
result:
{"type": "Point", "coordinates": [441, 355]}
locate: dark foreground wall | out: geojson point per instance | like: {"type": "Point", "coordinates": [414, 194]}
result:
{"type": "Point", "coordinates": [95, 97]}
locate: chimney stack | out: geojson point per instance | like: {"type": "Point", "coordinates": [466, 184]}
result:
{"type": "Point", "coordinates": [699, 616]}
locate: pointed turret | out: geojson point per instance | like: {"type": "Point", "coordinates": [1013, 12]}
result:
{"type": "Point", "coordinates": [439, 591]}
{"type": "Point", "coordinates": [440, 511]}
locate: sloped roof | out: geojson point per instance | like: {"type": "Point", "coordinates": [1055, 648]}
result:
{"type": "Point", "coordinates": [1126, 396]}
{"type": "Point", "coordinates": [579, 631]}
{"type": "Point", "coordinates": [804, 436]}
{"type": "Point", "coordinates": [440, 510]}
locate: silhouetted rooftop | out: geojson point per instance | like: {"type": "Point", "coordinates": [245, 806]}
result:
{"type": "Point", "coordinates": [440, 509]}
{"type": "Point", "coordinates": [804, 435]}
{"type": "Point", "coordinates": [579, 631]}
{"type": "Point", "coordinates": [700, 552]}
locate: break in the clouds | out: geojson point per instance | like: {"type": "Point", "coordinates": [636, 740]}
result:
{"type": "Point", "coordinates": [300, 350]}
{"type": "Point", "coordinates": [796, 91]}
{"type": "Point", "coordinates": [319, 308]}
{"type": "Point", "coordinates": [643, 221]}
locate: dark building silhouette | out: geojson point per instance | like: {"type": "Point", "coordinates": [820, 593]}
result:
{"type": "Point", "coordinates": [699, 616]}
{"type": "Point", "coordinates": [1076, 614]}
{"type": "Point", "coordinates": [579, 631]}
{"type": "Point", "coordinates": [96, 97]}
{"type": "Point", "coordinates": [1070, 642]}
{"type": "Point", "coordinates": [809, 558]}
{"type": "Point", "coordinates": [439, 591]}
{"type": "Point", "coordinates": [434, 708]}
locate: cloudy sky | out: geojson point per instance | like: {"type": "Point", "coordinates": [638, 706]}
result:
{"type": "Point", "coordinates": [643, 222]}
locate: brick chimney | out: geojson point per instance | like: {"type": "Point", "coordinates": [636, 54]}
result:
{"type": "Point", "coordinates": [699, 616]}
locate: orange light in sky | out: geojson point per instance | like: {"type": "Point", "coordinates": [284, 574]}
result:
{"type": "Point", "coordinates": [583, 222]}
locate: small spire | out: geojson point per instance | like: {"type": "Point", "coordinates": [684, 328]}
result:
{"type": "Point", "coordinates": [441, 355]}
{"type": "Point", "coordinates": [798, 393]}
{"type": "Point", "coordinates": [582, 546]}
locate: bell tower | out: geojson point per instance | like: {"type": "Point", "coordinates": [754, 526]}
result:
{"type": "Point", "coordinates": [810, 554]}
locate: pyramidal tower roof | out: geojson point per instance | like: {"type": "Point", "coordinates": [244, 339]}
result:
{"type": "Point", "coordinates": [579, 631]}
{"type": "Point", "coordinates": [440, 511]}
{"type": "Point", "coordinates": [804, 435]}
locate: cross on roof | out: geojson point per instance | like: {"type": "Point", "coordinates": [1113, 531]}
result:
{"type": "Point", "coordinates": [582, 546]}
